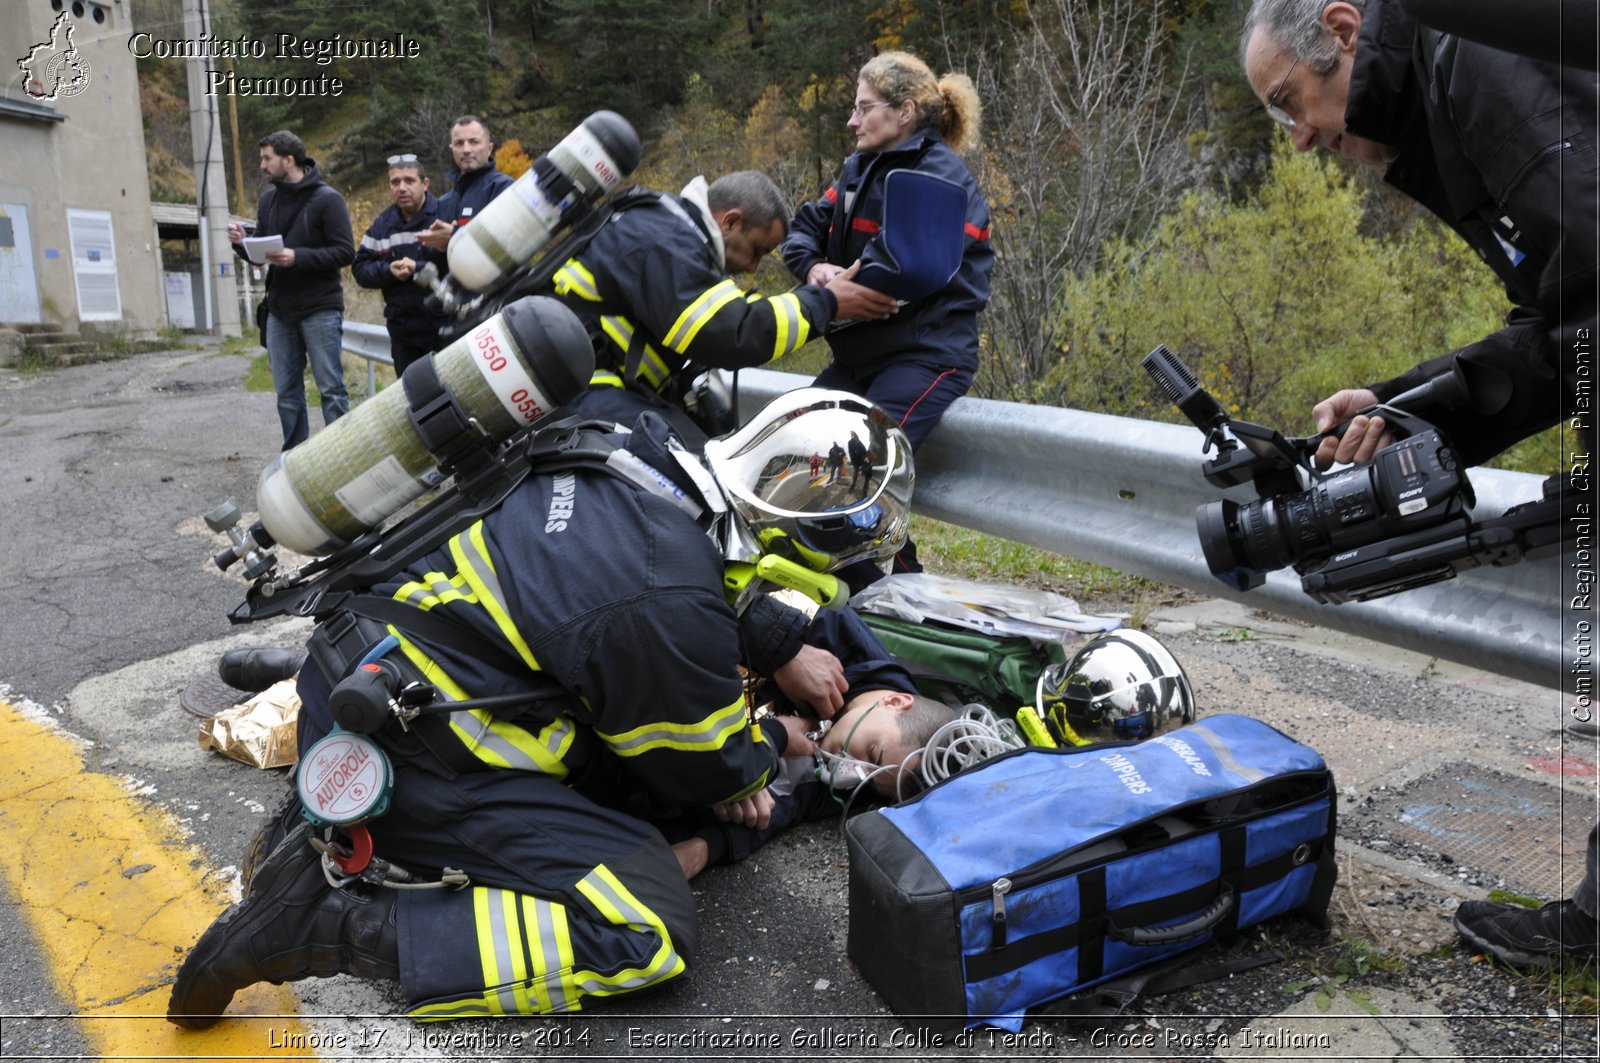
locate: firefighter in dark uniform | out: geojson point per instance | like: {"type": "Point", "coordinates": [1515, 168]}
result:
{"type": "Point", "coordinates": [601, 601]}
{"type": "Point", "coordinates": [389, 256]}
{"type": "Point", "coordinates": [654, 289]}
{"type": "Point", "coordinates": [474, 183]}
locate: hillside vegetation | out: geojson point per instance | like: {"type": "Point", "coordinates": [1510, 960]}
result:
{"type": "Point", "coordinates": [1136, 192]}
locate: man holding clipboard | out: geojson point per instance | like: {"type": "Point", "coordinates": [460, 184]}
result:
{"type": "Point", "coordinates": [303, 235]}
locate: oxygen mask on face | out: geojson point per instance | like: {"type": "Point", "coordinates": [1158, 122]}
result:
{"type": "Point", "coordinates": [840, 771]}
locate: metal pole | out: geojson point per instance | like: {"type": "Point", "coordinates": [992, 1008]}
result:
{"type": "Point", "coordinates": [210, 180]}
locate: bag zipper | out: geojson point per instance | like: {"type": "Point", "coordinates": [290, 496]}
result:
{"type": "Point", "coordinates": [1054, 866]}
{"type": "Point", "coordinates": [1001, 887]}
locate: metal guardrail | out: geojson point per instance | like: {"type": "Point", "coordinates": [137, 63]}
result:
{"type": "Point", "coordinates": [370, 342]}
{"type": "Point", "coordinates": [1122, 492]}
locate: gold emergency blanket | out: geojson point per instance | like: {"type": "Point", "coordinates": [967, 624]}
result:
{"type": "Point", "coordinates": [261, 731]}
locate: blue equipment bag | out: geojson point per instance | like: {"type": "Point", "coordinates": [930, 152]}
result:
{"type": "Point", "coordinates": [1044, 871]}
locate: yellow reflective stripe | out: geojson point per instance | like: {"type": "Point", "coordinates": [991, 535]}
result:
{"type": "Point", "coordinates": [689, 323]}
{"type": "Point", "coordinates": [511, 992]}
{"type": "Point", "coordinates": [619, 329]}
{"type": "Point", "coordinates": [561, 935]}
{"type": "Point", "coordinates": [574, 278]}
{"type": "Point", "coordinates": [605, 378]}
{"type": "Point", "coordinates": [709, 734]}
{"type": "Point", "coordinates": [431, 672]}
{"type": "Point", "coordinates": [793, 329]}
{"type": "Point", "coordinates": [494, 741]}
{"type": "Point", "coordinates": [526, 956]}
{"type": "Point", "coordinates": [433, 589]}
{"type": "Point", "coordinates": [653, 369]}
{"type": "Point", "coordinates": [505, 745]}
{"type": "Point", "coordinates": [758, 785]}
{"type": "Point", "coordinates": [621, 908]}
{"type": "Point", "coordinates": [491, 933]}
{"type": "Point", "coordinates": [483, 580]}
{"type": "Point", "coordinates": [551, 983]}
{"type": "Point", "coordinates": [449, 1009]}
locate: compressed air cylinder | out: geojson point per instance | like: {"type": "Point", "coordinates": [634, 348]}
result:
{"type": "Point", "coordinates": [506, 374]}
{"type": "Point", "coordinates": [592, 160]}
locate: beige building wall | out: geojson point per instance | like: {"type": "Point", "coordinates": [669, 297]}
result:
{"type": "Point", "coordinates": [82, 151]}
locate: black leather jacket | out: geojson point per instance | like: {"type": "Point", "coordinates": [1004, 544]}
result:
{"type": "Point", "coordinates": [1503, 150]}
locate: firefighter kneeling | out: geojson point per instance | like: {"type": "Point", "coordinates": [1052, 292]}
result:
{"type": "Point", "coordinates": [600, 600]}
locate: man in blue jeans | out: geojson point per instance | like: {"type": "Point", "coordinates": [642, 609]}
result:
{"type": "Point", "coordinates": [305, 300]}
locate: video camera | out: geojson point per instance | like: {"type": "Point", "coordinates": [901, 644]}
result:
{"type": "Point", "coordinates": [1399, 521]}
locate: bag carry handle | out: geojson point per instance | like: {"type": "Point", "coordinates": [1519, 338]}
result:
{"type": "Point", "coordinates": [1214, 914]}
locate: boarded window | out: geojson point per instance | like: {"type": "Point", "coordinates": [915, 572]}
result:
{"type": "Point", "coordinates": [94, 265]}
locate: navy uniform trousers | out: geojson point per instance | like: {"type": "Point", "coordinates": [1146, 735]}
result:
{"type": "Point", "coordinates": [568, 899]}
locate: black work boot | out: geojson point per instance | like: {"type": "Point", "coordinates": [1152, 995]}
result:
{"type": "Point", "coordinates": [294, 925]}
{"type": "Point", "coordinates": [1529, 937]}
{"type": "Point", "coordinates": [256, 668]}
{"type": "Point", "coordinates": [273, 831]}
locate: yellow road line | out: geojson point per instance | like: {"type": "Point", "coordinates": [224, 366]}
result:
{"type": "Point", "coordinates": [115, 898]}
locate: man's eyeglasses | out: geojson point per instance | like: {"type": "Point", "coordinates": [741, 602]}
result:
{"type": "Point", "coordinates": [396, 160]}
{"type": "Point", "coordinates": [1276, 113]}
{"type": "Point", "coordinates": [861, 109]}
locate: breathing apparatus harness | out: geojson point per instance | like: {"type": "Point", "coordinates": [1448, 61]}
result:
{"type": "Point", "coordinates": [345, 779]}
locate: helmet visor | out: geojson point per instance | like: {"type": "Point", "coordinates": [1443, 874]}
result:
{"type": "Point", "coordinates": [825, 469]}
{"type": "Point", "coordinates": [1123, 684]}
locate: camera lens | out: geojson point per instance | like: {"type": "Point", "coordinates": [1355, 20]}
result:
{"type": "Point", "coordinates": [1222, 542]}
{"type": "Point", "coordinates": [1243, 543]}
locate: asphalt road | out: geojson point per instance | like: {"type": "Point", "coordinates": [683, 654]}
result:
{"type": "Point", "coordinates": [111, 607]}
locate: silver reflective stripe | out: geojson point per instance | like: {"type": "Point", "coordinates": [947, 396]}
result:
{"type": "Point", "coordinates": [711, 737]}
{"type": "Point", "coordinates": [561, 999]}
{"type": "Point", "coordinates": [477, 734]}
{"type": "Point", "coordinates": [703, 309]}
{"type": "Point", "coordinates": [595, 987]}
{"type": "Point", "coordinates": [791, 333]}
{"type": "Point", "coordinates": [500, 932]}
{"type": "Point", "coordinates": [575, 276]}
{"type": "Point", "coordinates": [483, 567]}
{"type": "Point", "coordinates": [441, 590]}
{"type": "Point", "coordinates": [464, 1009]}
{"type": "Point", "coordinates": [629, 910]}
{"type": "Point", "coordinates": [381, 244]}
{"type": "Point", "coordinates": [1223, 754]}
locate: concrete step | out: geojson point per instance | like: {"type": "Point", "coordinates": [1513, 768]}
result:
{"type": "Point", "coordinates": [35, 335]}
{"type": "Point", "coordinates": [73, 353]}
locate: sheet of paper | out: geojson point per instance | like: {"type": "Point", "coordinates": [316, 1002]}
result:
{"type": "Point", "coordinates": [256, 247]}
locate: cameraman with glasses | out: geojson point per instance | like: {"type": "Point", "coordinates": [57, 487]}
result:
{"type": "Point", "coordinates": [1502, 148]}
{"type": "Point", "coordinates": [389, 256]}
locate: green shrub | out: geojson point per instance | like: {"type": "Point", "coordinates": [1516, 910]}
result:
{"type": "Point", "coordinates": [1275, 302]}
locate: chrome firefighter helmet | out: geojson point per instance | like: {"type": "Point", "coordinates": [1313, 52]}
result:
{"type": "Point", "coordinates": [1123, 684]}
{"type": "Point", "coordinates": [821, 477]}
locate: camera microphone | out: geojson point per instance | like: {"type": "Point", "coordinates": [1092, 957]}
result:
{"type": "Point", "coordinates": [1183, 390]}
